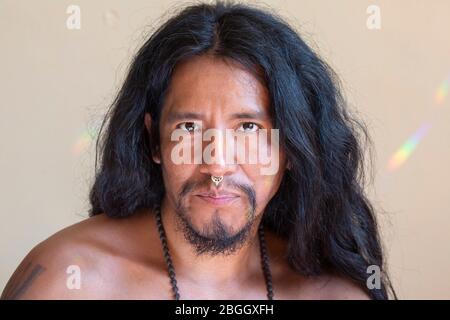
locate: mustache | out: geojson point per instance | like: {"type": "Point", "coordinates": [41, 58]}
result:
{"type": "Point", "coordinates": [248, 190]}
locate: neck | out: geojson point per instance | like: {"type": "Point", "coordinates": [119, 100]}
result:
{"type": "Point", "coordinates": [206, 269]}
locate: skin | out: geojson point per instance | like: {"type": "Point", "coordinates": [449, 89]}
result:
{"type": "Point", "coordinates": [123, 258]}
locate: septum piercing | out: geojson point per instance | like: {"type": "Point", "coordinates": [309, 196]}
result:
{"type": "Point", "coordinates": [216, 179]}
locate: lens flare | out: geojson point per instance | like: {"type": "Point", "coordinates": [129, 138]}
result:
{"type": "Point", "coordinates": [83, 142]}
{"type": "Point", "coordinates": [442, 91]}
{"type": "Point", "coordinates": [405, 151]}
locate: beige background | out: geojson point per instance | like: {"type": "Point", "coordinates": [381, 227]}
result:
{"type": "Point", "coordinates": [56, 83]}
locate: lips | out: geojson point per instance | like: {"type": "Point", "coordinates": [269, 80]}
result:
{"type": "Point", "coordinates": [218, 194]}
{"type": "Point", "coordinates": [218, 197]}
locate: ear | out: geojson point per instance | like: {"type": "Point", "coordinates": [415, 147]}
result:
{"type": "Point", "coordinates": [154, 149]}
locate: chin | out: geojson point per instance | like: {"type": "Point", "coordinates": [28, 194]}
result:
{"type": "Point", "coordinates": [206, 219]}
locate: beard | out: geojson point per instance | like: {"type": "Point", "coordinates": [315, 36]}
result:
{"type": "Point", "coordinates": [215, 237]}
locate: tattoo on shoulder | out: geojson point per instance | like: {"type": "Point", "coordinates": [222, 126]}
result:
{"type": "Point", "coordinates": [21, 281]}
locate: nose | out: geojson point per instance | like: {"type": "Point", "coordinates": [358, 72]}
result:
{"type": "Point", "coordinates": [217, 169]}
{"type": "Point", "coordinates": [218, 162]}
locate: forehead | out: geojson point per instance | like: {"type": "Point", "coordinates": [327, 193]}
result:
{"type": "Point", "coordinates": [211, 85]}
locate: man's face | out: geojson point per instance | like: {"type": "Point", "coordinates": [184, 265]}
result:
{"type": "Point", "coordinates": [208, 93]}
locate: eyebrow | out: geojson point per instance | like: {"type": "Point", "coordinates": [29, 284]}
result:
{"type": "Point", "coordinates": [259, 115]}
{"type": "Point", "coordinates": [177, 116]}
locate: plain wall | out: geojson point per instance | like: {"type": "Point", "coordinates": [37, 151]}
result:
{"type": "Point", "coordinates": [56, 83]}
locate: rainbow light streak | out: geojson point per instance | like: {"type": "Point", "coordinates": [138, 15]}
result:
{"type": "Point", "coordinates": [442, 91]}
{"type": "Point", "coordinates": [405, 151]}
{"type": "Point", "coordinates": [83, 142]}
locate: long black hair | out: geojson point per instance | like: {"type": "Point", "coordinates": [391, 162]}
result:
{"type": "Point", "coordinates": [320, 208]}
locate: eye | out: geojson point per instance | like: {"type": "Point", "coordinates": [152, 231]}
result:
{"type": "Point", "coordinates": [249, 127]}
{"type": "Point", "coordinates": [189, 126]}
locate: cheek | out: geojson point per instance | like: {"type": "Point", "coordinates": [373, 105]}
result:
{"type": "Point", "coordinates": [268, 173]}
{"type": "Point", "coordinates": [265, 186]}
{"type": "Point", "coordinates": [268, 186]}
{"type": "Point", "coordinates": [174, 174]}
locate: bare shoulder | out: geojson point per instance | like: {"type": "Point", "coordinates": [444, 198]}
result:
{"type": "Point", "coordinates": [334, 287]}
{"type": "Point", "coordinates": [44, 272]}
{"type": "Point", "coordinates": [292, 285]}
{"type": "Point", "coordinates": [91, 248]}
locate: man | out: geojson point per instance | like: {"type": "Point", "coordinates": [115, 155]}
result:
{"type": "Point", "coordinates": [166, 226]}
